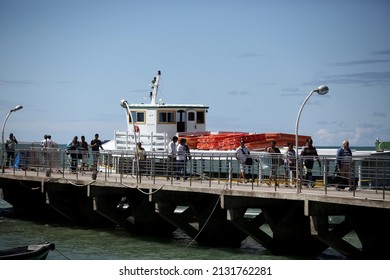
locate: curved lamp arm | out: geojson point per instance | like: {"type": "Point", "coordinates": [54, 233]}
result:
{"type": "Point", "coordinates": [321, 90]}
{"type": "Point", "coordinates": [18, 107]}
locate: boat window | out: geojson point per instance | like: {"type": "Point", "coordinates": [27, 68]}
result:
{"type": "Point", "coordinates": [166, 117]}
{"type": "Point", "coordinates": [200, 117]}
{"type": "Point", "coordinates": [191, 116]}
{"type": "Point", "coordinates": [138, 116]}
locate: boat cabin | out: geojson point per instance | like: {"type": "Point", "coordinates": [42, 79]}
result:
{"type": "Point", "coordinates": [155, 124]}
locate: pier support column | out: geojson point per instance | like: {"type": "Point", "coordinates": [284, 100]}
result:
{"type": "Point", "coordinates": [251, 227]}
{"type": "Point", "coordinates": [208, 224]}
{"type": "Point", "coordinates": [333, 238]}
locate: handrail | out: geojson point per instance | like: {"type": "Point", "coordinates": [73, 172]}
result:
{"type": "Point", "coordinates": [370, 172]}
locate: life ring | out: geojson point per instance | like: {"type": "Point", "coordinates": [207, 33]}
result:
{"type": "Point", "coordinates": [136, 128]}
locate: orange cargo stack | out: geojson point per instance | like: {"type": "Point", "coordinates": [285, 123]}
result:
{"type": "Point", "coordinates": [257, 145]}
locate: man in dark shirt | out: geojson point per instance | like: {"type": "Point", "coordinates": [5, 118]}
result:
{"type": "Point", "coordinates": [96, 145]}
{"type": "Point", "coordinates": [344, 165]}
{"type": "Point", "coordinates": [309, 153]}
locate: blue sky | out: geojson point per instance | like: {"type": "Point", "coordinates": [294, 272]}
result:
{"type": "Point", "coordinates": [69, 63]}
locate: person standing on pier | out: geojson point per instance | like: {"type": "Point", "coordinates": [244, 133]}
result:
{"type": "Point", "coordinates": [73, 150]}
{"type": "Point", "coordinates": [181, 159]}
{"type": "Point", "coordinates": [46, 148]}
{"type": "Point", "coordinates": [172, 153]}
{"type": "Point", "coordinates": [309, 154]}
{"type": "Point", "coordinates": [141, 158]}
{"type": "Point", "coordinates": [10, 145]}
{"type": "Point", "coordinates": [96, 145]}
{"type": "Point", "coordinates": [275, 162]}
{"type": "Point", "coordinates": [344, 166]}
{"type": "Point", "coordinates": [84, 154]}
{"type": "Point", "coordinates": [289, 164]}
{"type": "Point", "coordinates": [242, 154]}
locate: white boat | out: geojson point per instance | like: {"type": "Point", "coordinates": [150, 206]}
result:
{"type": "Point", "coordinates": [154, 124]}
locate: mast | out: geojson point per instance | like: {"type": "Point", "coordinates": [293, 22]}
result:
{"type": "Point", "coordinates": [154, 87]}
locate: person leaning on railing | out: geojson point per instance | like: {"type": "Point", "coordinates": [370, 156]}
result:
{"type": "Point", "coordinates": [72, 149]}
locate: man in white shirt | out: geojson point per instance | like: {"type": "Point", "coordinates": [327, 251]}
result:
{"type": "Point", "coordinates": [46, 147]}
{"type": "Point", "coordinates": [172, 153]}
{"type": "Point", "coordinates": [180, 159]}
{"type": "Point", "coordinates": [242, 153]}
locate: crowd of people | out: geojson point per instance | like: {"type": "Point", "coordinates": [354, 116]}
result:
{"type": "Point", "coordinates": [178, 156]}
{"type": "Point", "coordinates": [309, 154]}
{"type": "Point", "coordinates": [80, 150]}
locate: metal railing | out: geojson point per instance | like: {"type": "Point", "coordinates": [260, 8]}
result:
{"type": "Point", "coordinates": [370, 172]}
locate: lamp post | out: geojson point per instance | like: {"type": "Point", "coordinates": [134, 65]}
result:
{"type": "Point", "coordinates": [125, 105]}
{"type": "Point", "coordinates": [18, 107]}
{"type": "Point", "coordinates": [321, 90]}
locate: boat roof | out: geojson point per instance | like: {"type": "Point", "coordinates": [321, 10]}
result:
{"type": "Point", "coordinates": [182, 106]}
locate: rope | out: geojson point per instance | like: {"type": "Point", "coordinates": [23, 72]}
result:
{"type": "Point", "coordinates": [141, 191]}
{"type": "Point", "coordinates": [72, 183]}
{"type": "Point", "coordinates": [209, 217]}
{"type": "Point", "coordinates": [55, 249]}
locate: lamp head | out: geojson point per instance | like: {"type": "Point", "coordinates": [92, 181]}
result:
{"type": "Point", "coordinates": [18, 107]}
{"type": "Point", "coordinates": [123, 103]}
{"type": "Point", "coordinates": [322, 90]}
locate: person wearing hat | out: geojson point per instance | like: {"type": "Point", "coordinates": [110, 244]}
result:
{"type": "Point", "coordinates": [242, 154]}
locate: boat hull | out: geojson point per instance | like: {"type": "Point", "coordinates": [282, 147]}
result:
{"type": "Point", "coordinates": [29, 252]}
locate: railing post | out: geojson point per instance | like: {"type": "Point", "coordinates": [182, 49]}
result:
{"type": "Point", "coordinates": [230, 170]}
{"type": "Point", "coordinates": [325, 175]}
{"type": "Point", "coordinates": [210, 169]}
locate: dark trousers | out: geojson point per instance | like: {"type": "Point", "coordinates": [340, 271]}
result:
{"type": "Point", "coordinates": [73, 162]}
{"type": "Point", "coordinates": [10, 158]}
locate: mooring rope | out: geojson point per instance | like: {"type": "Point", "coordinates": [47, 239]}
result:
{"type": "Point", "coordinates": [141, 191]}
{"type": "Point", "coordinates": [55, 249]}
{"type": "Point", "coordinates": [209, 217]}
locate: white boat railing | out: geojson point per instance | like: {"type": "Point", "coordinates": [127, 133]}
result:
{"type": "Point", "coordinates": [126, 140]}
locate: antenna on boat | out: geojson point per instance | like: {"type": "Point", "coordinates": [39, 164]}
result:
{"type": "Point", "coordinates": [154, 87]}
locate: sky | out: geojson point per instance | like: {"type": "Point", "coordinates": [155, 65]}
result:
{"type": "Point", "coordinates": [253, 62]}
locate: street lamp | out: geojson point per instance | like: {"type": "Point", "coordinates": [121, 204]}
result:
{"type": "Point", "coordinates": [18, 107]}
{"type": "Point", "coordinates": [125, 105]}
{"type": "Point", "coordinates": [321, 90]}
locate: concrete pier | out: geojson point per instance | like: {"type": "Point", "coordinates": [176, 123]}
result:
{"type": "Point", "coordinates": [212, 212]}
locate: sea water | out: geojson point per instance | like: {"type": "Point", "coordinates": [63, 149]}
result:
{"type": "Point", "coordinates": [80, 243]}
